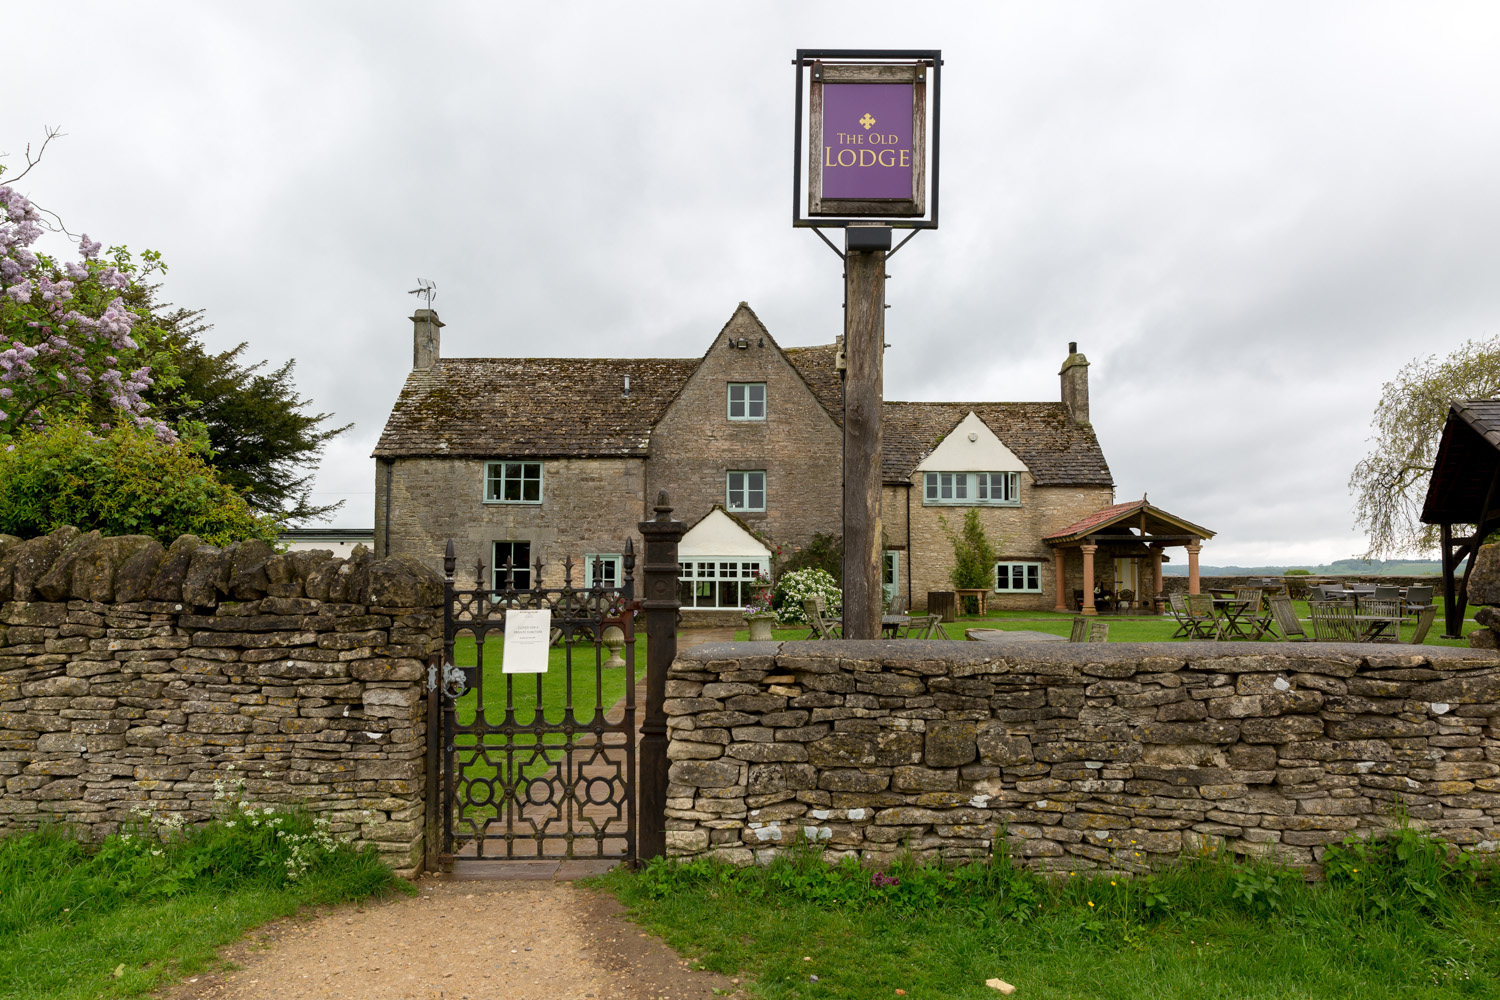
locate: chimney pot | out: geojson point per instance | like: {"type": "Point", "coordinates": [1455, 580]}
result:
{"type": "Point", "coordinates": [426, 338]}
{"type": "Point", "coordinates": [1072, 347]}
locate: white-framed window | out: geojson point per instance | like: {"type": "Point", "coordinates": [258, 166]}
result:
{"type": "Point", "coordinates": [1018, 577]}
{"type": "Point", "coordinates": [512, 482]}
{"type": "Point", "coordinates": [721, 582]}
{"type": "Point", "coordinates": [518, 554]}
{"type": "Point", "coordinates": [971, 489]}
{"type": "Point", "coordinates": [601, 570]}
{"type": "Point", "coordinates": [745, 490]}
{"type": "Point", "coordinates": [747, 401]}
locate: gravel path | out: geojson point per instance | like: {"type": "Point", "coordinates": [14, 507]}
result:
{"type": "Point", "coordinates": [467, 940]}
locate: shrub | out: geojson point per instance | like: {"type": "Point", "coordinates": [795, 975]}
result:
{"type": "Point", "coordinates": [824, 552]}
{"type": "Point", "coordinates": [973, 556]}
{"type": "Point", "coordinates": [795, 587]}
{"type": "Point", "coordinates": [123, 482]}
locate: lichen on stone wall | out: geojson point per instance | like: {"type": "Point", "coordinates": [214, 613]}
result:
{"type": "Point", "coordinates": [1117, 757]}
{"type": "Point", "coordinates": [132, 677]}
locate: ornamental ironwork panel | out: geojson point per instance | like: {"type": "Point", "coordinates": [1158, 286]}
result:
{"type": "Point", "coordinates": [538, 766]}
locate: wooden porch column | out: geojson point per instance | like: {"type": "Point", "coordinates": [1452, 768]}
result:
{"type": "Point", "coordinates": [1193, 549]}
{"type": "Point", "coordinates": [1156, 579]}
{"type": "Point", "coordinates": [1088, 579]}
{"type": "Point", "coordinates": [1059, 556]}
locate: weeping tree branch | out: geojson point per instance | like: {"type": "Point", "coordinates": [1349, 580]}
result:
{"type": "Point", "coordinates": [1390, 483]}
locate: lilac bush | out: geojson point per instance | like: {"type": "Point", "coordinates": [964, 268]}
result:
{"type": "Point", "coordinates": [68, 336]}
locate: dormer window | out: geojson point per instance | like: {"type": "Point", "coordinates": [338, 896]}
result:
{"type": "Point", "coordinates": [970, 489]}
{"type": "Point", "coordinates": [747, 401]}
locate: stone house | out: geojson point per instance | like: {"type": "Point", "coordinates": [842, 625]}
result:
{"type": "Point", "coordinates": [520, 459]}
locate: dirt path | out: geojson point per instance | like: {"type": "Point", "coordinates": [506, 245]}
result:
{"type": "Point", "coordinates": [460, 941]}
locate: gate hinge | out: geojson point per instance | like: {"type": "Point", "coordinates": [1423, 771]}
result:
{"type": "Point", "coordinates": [453, 680]}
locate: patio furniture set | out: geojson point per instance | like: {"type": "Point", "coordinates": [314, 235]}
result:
{"type": "Point", "coordinates": [1356, 615]}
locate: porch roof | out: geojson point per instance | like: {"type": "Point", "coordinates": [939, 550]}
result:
{"type": "Point", "coordinates": [1467, 465]}
{"type": "Point", "coordinates": [1135, 522]}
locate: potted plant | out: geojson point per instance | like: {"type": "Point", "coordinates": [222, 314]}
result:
{"type": "Point", "coordinates": [758, 613]}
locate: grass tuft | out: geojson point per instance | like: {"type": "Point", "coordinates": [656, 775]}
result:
{"type": "Point", "coordinates": [1402, 916]}
{"type": "Point", "coordinates": [154, 902]}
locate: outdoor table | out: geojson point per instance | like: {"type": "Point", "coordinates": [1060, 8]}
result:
{"type": "Point", "coordinates": [979, 594]}
{"type": "Point", "coordinates": [1373, 627]}
{"type": "Point", "coordinates": [1017, 635]}
{"type": "Point", "coordinates": [888, 623]}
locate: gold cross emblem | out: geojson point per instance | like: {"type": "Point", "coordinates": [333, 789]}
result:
{"type": "Point", "coordinates": [867, 121]}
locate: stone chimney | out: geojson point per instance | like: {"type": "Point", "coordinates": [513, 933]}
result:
{"type": "Point", "coordinates": [426, 338]}
{"type": "Point", "coordinates": [1075, 384]}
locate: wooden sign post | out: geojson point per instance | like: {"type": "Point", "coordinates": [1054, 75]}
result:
{"type": "Point", "coordinates": [864, 394]}
{"type": "Point", "coordinates": [867, 167]}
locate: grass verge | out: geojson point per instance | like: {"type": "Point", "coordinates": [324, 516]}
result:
{"type": "Point", "coordinates": [1400, 918]}
{"type": "Point", "coordinates": [152, 904]}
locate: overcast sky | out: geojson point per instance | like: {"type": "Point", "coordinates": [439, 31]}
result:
{"type": "Point", "coordinates": [1248, 215]}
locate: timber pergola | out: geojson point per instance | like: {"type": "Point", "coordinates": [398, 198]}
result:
{"type": "Point", "coordinates": [1133, 530]}
{"type": "Point", "coordinates": [1463, 493]}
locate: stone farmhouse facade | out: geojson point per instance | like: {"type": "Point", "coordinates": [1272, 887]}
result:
{"type": "Point", "coordinates": [520, 459]}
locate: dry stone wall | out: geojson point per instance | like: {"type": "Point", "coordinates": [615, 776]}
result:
{"type": "Point", "coordinates": [1116, 756]}
{"type": "Point", "coordinates": [134, 677]}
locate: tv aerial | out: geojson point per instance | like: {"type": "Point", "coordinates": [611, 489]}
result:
{"type": "Point", "coordinates": [425, 288]}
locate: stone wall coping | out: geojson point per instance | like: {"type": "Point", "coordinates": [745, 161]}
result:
{"type": "Point", "coordinates": [1371, 656]}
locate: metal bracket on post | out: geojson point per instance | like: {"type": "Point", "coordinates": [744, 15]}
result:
{"type": "Point", "coordinates": [659, 574]}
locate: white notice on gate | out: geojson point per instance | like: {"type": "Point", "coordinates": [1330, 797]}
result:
{"type": "Point", "coordinates": [528, 634]}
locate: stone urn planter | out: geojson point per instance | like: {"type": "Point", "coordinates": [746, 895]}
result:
{"type": "Point", "coordinates": [760, 625]}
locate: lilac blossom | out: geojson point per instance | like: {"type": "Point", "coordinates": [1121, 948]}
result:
{"type": "Point", "coordinates": [61, 345]}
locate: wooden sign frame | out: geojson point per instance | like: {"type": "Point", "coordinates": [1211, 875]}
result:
{"type": "Point", "coordinates": [922, 68]}
{"type": "Point", "coordinates": [909, 73]}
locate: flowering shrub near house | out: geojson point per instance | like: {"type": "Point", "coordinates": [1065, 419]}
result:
{"type": "Point", "coordinates": [799, 585]}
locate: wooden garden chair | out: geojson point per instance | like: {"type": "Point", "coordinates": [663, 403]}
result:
{"type": "Point", "coordinates": [1244, 619]}
{"type": "Point", "coordinates": [1424, 622]}
{"type": "Point", "coordinates": [1201, 613]}
{"type": "Point", "coordinates": [1286, 618]}
{"type": "Point", "coordinates": [1089, 630]}
{"type": "Point", "coordinates": [1333, 621]}
{"type": "Point", "coordinates": [926, 627]}
{"type": "Point", "coordinates": [1177, 605]}
{"type": "Point", "coordinates": [1418, 599]}
{"type": "Point", "coordinates": [1376, 631]}
{"type": "Point", "coordinates": [812, 607]}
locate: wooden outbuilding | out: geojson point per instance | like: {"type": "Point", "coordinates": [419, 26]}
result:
{"type": "Point", "coordinates": [1129, 531]}
{"type": "Point", "coordinates": [1464, 492]}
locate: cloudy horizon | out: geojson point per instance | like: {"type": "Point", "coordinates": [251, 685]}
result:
{"type": "Point", "coordinates": [1248, 216]}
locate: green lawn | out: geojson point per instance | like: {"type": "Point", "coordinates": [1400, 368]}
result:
{"type": "Point", "coordinates": [590, 689]}
{"type": "Point", "coordinates": [1122, 628]}
{"type": "Point", "coordinates": [1208, 930]}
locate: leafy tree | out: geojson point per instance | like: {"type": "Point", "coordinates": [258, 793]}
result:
{"type": "Point", "coordinates": [973, 555]}
{"type": "Point", "coordinates": [126, 481]}
{"type": "Point", "coordinates": [1390, 483]}
{"type": "Point", "coordinates": [259, 436]}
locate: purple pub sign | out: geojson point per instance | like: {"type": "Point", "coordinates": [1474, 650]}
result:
{"type": "Point", "coordinates": [867, 141]}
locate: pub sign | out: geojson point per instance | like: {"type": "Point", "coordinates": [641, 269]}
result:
{"type": "Point", "coordinates": [867, 139]}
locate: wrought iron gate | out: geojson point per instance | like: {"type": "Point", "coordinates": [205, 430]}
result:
{"type": "Point", "coordinates": [535, 766]}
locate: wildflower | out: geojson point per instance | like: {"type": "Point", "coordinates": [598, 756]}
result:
{"type": "Point", "coordinates": [1091, 902]}
{"type": "Point", "coordinates": [1111, 881]}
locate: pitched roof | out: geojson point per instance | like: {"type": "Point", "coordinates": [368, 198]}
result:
{"type": "Point", "coordinates": [817, 366]}
{"type": "Point", "coordinates": [1127, 515]}
{"type": "Point", "coordinates": [1465, 465]}
{"type": "Point", "coordinates": [532, 406]}
{"type": "Point", "coordinates": [1058, 450]}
